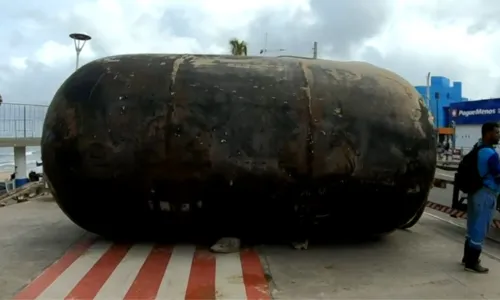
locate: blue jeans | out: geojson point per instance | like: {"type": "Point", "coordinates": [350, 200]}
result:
{"type": "Point", "coordinates": [481, 208]}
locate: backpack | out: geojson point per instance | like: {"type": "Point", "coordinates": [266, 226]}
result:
{"type": "Point", "coordinates": [467, 177]}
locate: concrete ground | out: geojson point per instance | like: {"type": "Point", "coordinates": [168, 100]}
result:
{"type": "Point", "coordinates": [422, 262]}
{"type": "Point", "coordinates": [32, 236]}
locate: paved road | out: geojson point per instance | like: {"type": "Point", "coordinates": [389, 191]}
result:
{"type": "Point", "coordinates": [32, 236]}
{"type": "Point", "coordinates": [102, 270]}
{"type": "Point", "coordinates": [36, 234]}
{"type": "Point", "coordinates": [419, 263]}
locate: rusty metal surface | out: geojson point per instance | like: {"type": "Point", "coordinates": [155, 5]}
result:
{"type": "Point", "coordinates": [126, 134]}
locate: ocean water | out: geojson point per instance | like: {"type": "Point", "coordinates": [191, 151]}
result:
{"type": "Point", "coordinates": [33, 154]}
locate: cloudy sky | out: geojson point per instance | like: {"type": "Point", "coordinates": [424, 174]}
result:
{"type": "Point", "coordinates": [459, 39]}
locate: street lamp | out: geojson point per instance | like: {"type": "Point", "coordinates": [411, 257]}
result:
{"type": "Point", "coordinates": [428, 90]}
{"type": "Point", "coordinates": [454, 126]}
{"type": "Point", "coordinates": [80, 39]}
{"type": "Point", "coordinates": [265, 50]}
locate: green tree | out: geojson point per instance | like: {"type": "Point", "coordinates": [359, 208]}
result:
{"type": "Point", "coordinates": [238, 47]}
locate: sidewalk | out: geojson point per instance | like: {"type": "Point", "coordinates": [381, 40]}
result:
{"type": "Point", "coordinates": [421, 263]}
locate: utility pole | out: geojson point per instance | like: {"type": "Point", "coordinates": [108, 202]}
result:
{"type": "Point", "coordinates": [315, 50]}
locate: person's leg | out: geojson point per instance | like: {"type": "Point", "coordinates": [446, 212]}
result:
{"type": "Point", "coordinates": [493, 209]}
{"type": "Point", "coordinates": [483, 202]}
{"type": "Point", "coordinates": [470, 221]}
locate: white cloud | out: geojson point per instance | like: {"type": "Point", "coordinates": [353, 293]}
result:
{"type": "Point", "coordinates": [410, 37]}
{"type": "Point", "coordinates": [51, 53]}
{"type": "Point", "coordinates": [413, 32]}
{"type": "Point", "coordinates": [18, 63]}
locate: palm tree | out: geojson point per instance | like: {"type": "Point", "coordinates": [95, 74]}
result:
{"type": "Point", "coordinates": [238, 47]}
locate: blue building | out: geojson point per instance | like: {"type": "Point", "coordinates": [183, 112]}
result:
{"type": "Point", "coordinates": [442, 94]}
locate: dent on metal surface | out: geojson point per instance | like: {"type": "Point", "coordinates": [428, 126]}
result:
{"type": "Point", "coordinates": [227, 141]}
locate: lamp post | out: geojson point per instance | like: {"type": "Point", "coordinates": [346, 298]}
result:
{"type": "Point", "coordinates": [453, 125]}
{"type": "Point", "coordinates": [80, 39]}
{"type": "Point", "coordinates": [428, 90]}
{"type": "Point", "coordinates": [437, 97]}
{"type": "Point", "coordinates": [264, 50]}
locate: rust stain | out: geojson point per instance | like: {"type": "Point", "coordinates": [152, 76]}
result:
{"type": "Point", "coordinates": [177, 63]}
{"type": "Point", "coordinates": [306, 96]}
{"type": "Point", "coordinates": [156, 127]}
{"type": "Point", "coordinates": [71, 122]}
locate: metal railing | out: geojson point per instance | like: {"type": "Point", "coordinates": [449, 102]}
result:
{"type": "Point", "coordinates": [456, 154]}
{"type": "Point", "coordinates": [21, 120]}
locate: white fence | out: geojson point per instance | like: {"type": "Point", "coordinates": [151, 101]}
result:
{"type": "Point", "coordinates": [21, 120]}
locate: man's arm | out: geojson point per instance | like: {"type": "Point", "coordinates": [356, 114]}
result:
{"type": "Point", "coordinates": [494, 164]}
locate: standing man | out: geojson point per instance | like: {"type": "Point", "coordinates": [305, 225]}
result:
{"type": "Point", "coordinates": [481, 204]}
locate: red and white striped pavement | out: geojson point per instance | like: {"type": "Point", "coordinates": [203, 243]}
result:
{"type": "Point", "coordinates": [103, 270]}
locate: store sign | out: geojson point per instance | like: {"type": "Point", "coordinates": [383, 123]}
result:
{"type": "Point", "coordinates": [475, 112]}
